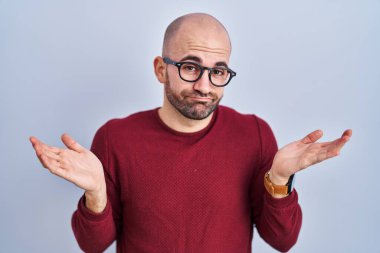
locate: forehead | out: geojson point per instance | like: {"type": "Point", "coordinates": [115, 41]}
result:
{"type": "Point", "coordinates": [208, 43]}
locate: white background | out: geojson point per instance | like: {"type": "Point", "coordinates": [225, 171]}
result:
{"type": "Point", "coordinates": [69, 66]}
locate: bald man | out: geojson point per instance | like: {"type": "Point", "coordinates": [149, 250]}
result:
{"type": "Point", "coordinates": [192, 175]}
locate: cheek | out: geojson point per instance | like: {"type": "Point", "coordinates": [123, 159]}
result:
{"type": "Point", "coordinates": [177, 85]}
{"type": "Point", "coordinates": [173, 79]}
{"type": "Point", "coordinates": [174, 87]}
{"type": "Point", "coordinates": [219, 92]}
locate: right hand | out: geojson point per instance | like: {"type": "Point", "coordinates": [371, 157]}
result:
{"type": "Point", "coordinates": [75, 164]}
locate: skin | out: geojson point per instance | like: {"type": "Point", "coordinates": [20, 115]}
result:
{"type": "Point", "coordinates": [200, 36]}
{"type": "Point", "coordinates": [77, 165]}
{"type": "Point", "coordinates": [203, 37]}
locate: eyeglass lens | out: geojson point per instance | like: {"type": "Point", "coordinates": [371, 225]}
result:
{"type": "Point", "coordinates": [191, 72]}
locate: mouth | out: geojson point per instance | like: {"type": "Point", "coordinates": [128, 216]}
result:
{"type": "Point", "coordinates": [201, 99]}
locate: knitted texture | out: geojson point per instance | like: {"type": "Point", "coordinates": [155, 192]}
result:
{"type": "Point", "coordinates": [174, 192]}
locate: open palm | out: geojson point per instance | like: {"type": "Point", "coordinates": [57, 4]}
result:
{"type": "Point", "coordinates": [74, 163]}
{"type": "Point", "coordinates": [301, 154]}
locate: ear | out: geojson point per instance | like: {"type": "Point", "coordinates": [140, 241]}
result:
{"type": "Point", "coordinates": [160, 69]}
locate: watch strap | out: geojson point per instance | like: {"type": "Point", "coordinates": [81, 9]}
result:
{"type": "Point", "coordinates": [278, 189]}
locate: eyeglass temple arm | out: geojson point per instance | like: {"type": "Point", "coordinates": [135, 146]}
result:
{"type": "Point", "coordinates": [168, 61]}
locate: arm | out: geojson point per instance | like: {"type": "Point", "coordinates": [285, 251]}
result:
{"type": "Point", "coordinates": [95, 231]}
{"type": "Point", "coordinates": [278, 213]}
{"type": "Point", "coordinates": [278, 221]}
{"type": "Point", "coordinates": [93, 222]}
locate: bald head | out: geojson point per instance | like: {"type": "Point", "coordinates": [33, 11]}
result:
{"type": "Point", "coordinates": [196, 24]}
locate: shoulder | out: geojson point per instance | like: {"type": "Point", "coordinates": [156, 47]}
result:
{"type": "Point", "coordinates": [242, 119]}
{"type": "Point", "coordinates": [135, 120]}
{"type": "Point", "coordinates": [249, 126]}
{"type": "Point", "coordinates": [129, 124]}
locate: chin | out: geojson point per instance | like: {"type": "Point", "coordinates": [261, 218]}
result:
{"type": "Point", "coordinates": [196, 113]}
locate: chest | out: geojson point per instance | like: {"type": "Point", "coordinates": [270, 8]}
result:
{"type": "Point", "coordinates": [197, 176]}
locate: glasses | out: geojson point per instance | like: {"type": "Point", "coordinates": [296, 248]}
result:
{"type": "Point", "coordinates": [192, 72]}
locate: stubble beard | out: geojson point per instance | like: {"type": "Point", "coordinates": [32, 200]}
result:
{"type": "Point", "coordinates": [195, 110]}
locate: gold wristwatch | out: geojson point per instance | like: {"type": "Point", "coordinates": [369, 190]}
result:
{"type": "Point", "coordinates": [278, 189]}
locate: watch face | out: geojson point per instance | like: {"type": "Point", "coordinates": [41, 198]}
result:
{"type": "Point", "coordinates": [290, 183]}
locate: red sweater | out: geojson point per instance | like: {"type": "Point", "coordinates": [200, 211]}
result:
{"type": "Point", "coordinates": [173, 192]}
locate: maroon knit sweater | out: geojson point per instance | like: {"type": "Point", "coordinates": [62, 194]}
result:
{"type": "Point", "coordinates": [173, 192]}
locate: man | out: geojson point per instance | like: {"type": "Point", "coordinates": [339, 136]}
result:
{"type": "Point", "coordinates": [190, 176]}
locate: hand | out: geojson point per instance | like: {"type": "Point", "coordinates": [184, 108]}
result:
{"type": "Point", "coordinates": [301, 154]}
{"type": "Point", "coordinates": [77, 165]}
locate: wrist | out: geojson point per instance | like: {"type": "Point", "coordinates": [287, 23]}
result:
{"type": "Point", "coordinates": [96, 201]}
{"type": "Point", "coordinates": [281, 187]}
{"type": "Point", "coordinates": [277, 179]}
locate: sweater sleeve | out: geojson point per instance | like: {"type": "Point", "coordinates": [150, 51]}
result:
{"type": "Point", "coordinates": [95, 232]}
{"type": "Point", "coordinates": [278, 221]}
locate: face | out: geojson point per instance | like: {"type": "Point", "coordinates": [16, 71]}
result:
{"type": "Point", "coordinates": [196, 100]}
{"type": "Point", "coordinates": [191, 103]}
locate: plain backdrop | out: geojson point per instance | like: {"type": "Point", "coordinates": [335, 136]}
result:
{"type": "Point", "coordinates": [69, 66]}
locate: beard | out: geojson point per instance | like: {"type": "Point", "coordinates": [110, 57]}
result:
{"type": "Point", "coordinates": [196, 110]}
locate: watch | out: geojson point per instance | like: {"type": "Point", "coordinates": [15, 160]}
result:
{"type": "Point", "coordinates": [279, 189]}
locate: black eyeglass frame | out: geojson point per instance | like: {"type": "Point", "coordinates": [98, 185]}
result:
{"type": "Point", "coordinates": [179, 64]}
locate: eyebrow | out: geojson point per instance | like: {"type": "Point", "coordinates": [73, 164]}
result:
{"type": "Point", "coordinates": [198, 60]}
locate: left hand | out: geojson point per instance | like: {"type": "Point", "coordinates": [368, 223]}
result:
{"type": "Point", "coordinates": [301, 154]}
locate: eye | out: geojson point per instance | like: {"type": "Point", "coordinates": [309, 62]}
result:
{"type": "Point", "coordinates": [219, 72]}
{"type": "Point", "coordinates": [188, 67]}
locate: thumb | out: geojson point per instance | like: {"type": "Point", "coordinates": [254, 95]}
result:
{"type": "Point", "coordinates": [71, 143]}
{"type": "Point", "coordinates": [312, 137]}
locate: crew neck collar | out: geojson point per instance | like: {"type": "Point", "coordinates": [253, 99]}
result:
{"type": "Point", "coordinates": [185, 134]}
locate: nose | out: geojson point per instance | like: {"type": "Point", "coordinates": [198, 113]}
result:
{"type": "Point", "coordinates": [203, 85]}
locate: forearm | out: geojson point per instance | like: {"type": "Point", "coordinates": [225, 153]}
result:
{"type": "Point", "coordinates": [94, 232]}
{"type": "Point", "coordinates": [280, 221]}
{"type": "Point", "coordinates": [96, 200]}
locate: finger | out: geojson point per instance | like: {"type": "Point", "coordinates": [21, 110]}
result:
{"type": "Point", "coordinates": [325, 144]}
{"type": "Point", "coordinates": [71, 143]}
{"type": "Point", "coordinates": [312, 137]}
{"type": "Point", "coordinates": [54, 167]}
{"type": "Point", "coordinates": [54, 150]}
{"type": "Point", "coordinates": [52, 155]}
{"type": "Point", "coordinates": [324, 154]}
{"type": "Point", "coordinates": [39, 149]}
{"type": "Point", "coordinates": [51, 152]}
{"type": "Point", "coordinates": [339, 143]}
{"type": "Point", "coordinates": [347, 134]}
{"type": "Point", "coordinates": [46, 156]}
{"type": "Point", "coordinates": [35, 141]}
{"type": "Point", "coordinates": [333, 149]}
{"type": "Point", "coordinates": [326, 150]}
{"type": "Point", "coordinates": [42, 146]}
{"type": "Point", "coordinates": [344, 139]}
{"type": "Point", "coordinates": [47, 162]}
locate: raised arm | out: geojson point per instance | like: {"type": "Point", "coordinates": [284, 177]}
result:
{"type": "Point", "coordinates": [278, 218]}
{"type": "Point", "coordinates": [303, 153]}
{"type": "Point", "coordinates": [278, 221]}
{"type": "Point", "coordinates": [77, 165]}
{"type": "Point", "coordinates": [94, 222]}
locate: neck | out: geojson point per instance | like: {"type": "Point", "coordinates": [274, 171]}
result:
{"type": "Point", "coordinates": [175, 120]}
